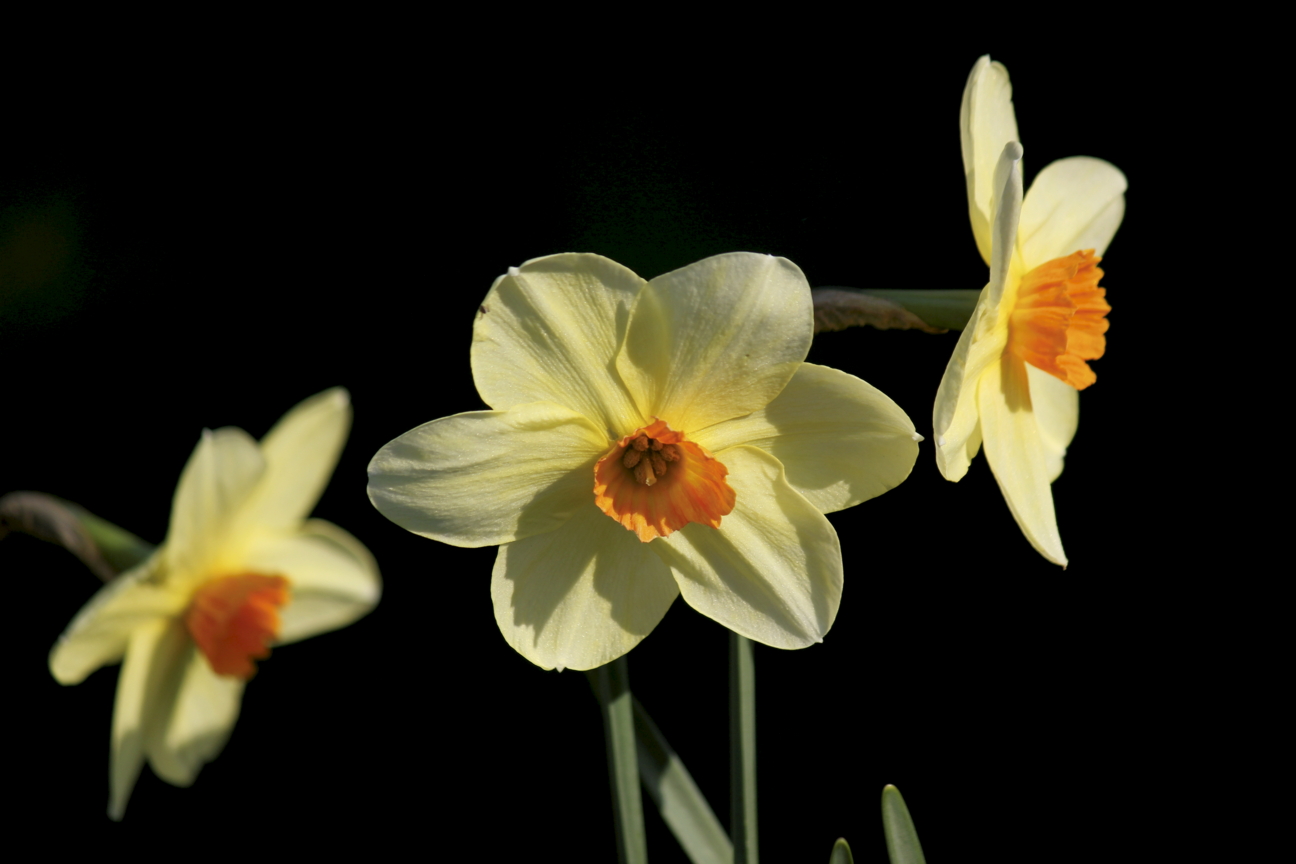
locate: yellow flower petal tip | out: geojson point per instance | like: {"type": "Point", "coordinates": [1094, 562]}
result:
{"type": "Point", "coordinates": [241, 569]}
{"type": "Point", "coordinates": [1011, 385]}
{"type": "Point", "coordinates": [647, 439]}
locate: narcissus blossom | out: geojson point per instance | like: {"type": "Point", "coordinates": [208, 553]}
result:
{"type": "Point", "coordinates": [1013, 381]}
{"type": "Point", "coordinates": [649, 439]}
{"type": "Point", "coordinates": [241, 569]}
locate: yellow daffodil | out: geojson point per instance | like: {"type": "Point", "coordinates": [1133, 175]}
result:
{"type": "Point", "coordinates": [241, 569]}
{"type": "Point", "coordinates": [1013, 380]}
{"type": "Point", "coordinates": [649, 439]}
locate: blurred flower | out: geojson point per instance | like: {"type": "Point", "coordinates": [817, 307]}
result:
{"type": "Point", "coordinates": [649, 439]}
{"type": "Point", "coordinates": [1013, 379]}
{"type": "Point", "coordinates": [239, 571]}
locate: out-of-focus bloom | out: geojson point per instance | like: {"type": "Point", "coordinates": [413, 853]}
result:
{"type": "Point", "coordinates": [649, 439]}
{"type": "Point", "coordinates": [241, 569]}
{"type": "Point", "coordinates": [1013, 379]}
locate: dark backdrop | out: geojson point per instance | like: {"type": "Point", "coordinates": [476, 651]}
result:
{"type": "Point", "coordinates": [192, 249]}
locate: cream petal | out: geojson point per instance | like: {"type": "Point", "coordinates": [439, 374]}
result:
{"type": "Point", "coordinates": [549, 331]}
{"type": "Point", "coordinates": [1006, 215]}
{"type": "Point", "coordinates": [334, 578]}
{"type": "Point", "coordinates": [489, 477]}
{"type": "Point", "coordinates": [1017, 455]}
{"type": "Point", "coordinates": [1057, 413]}
{"type": "Point", "coordinates": [772, 571]}
{"type": "Point", "coordinates": [1074, 204]}
{"type": "Point", "coordinates": [986, 124]}
{"type": "Point", "coordinates": [300, 453]}
{"type": "Point", "coordinates": [204, 710]}
{"type": "Point", "coordinates": [841, 441]}
{"type": "Point", "coordinates": [100, 632]}
{"type": "Point", "coordinates": [717, 339]}
{"type": "Point", "coordinates": [220, 476]}
{"type": "Point", "coordinates": [580, 596]}
{"type": "Point", "coordinates": [955, 420]}
{"type": "Point", "coordinates": [146, 691]}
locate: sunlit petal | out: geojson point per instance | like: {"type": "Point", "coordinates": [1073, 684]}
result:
{"type": "Point", "coordinates": [772, 571]}
{"type": "Point", "coordinates": [202, 716]}
{"type": "Point", "coordinates": [300, 454]}
{"type": "Point", "coordinates": [582, 595]}
{"type": "Point", "coordinates": [549, 331]}
{"type": "Point", "coordinates": [717, 339]}
{"type": "Point", "coordinates": [955, 418]}
{"type": "Point", "coordinates": [220, 476]}
{"type": "Point", "coordinates": [1017, 455]}
{"type": "Point", "coordinates": [841, 441]}
{"type": "Point", "coordinates": [1057, 413]}
{"type": "Point", "coordinates": [489, 477]}
{"type": "Point", "coordinates": [1074, 204]}
{"type": "Point", "coordinates": [986, 123]}
{"type": "Point", "coordinates": [334, 580]}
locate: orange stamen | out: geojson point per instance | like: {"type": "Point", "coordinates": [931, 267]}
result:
{"type": "Point", "coordinates": [655, 482]}
{"type": "Point", "coordinates": [233, 620]}
{"type": "Point", "coordinates": [1059, 320]}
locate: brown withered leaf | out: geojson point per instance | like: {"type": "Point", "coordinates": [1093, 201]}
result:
{"type": "Point", "coordinates": [50, 519]}
{"type": "Point", "coordinates": [839, 308]}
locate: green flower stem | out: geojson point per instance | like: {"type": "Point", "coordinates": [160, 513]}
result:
{"type": "Point", "coordinates": [742, 749]}
{"type": "Point", "coordinates": [682, 805]}
{"type": "Point", "coordinates": [950, 308]}
{"type": "Point", "coordinates": [901, 838]}
{"type": "Point", "coordinates": [120, 548]}
{"type": "Point", "coordinates": [612, 686]}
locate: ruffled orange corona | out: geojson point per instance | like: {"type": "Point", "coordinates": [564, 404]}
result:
{"type": "Point", "coordinates": [234, 619]}
{"type": "Point", "coordinates": [654, 482]}
{"type": "Point", "coordinates": [1058, 322]}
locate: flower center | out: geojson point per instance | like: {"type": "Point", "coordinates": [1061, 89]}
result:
{"type": "Point", "coordinates": [655, 482]}
{"type": "Point", "coordinates": [233, 620]}
{"type": "Point", "coordinates": [1059, 320]}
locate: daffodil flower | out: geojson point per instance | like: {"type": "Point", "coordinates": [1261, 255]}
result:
{"type": "Point", "coordinates": [1013, 381]}
{"type": "Point", "coordinates": [649, 439]}
{"type": "Point", "coordinates": [241, 569]}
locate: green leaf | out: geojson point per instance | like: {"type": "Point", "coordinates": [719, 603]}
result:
{"type": "Point", "coordinates": [841, 853]}
{"type": "Point", "coordinates": [682, 805]}
{"type": "Point", "coordinates": [901, 838]}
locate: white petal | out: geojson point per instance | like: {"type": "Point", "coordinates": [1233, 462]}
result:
{"type": "Point", "coordinates": [100, 632]}
{"type": "Point", "coordinates": [955, 420]}
{"type": "Point", "coordinates": [1016, 454]}
{"type": "Point", "coordinates": [986, 124]}
{"type": "Point", "coordinates": [202, 717]}
{"type": "Point", "coordinates": [549, 330]}
{"type": "Point", "coordinates": [1057, 412]}
{"type": "Point", "coordinates": [1074, 204]}
{"type": "Point", "coordinates": [772, 571]}
{"type": "Point", "coordinates": [489, 477]}
{"type": "Point", "coordinates": [580, 596]}
{"type": "Point", "coordinates": [841, 441]}
{"type": "Point", "coordinates": [220, 476]}
{"type": "Point", "coordinates": [717, 339]}
{"type": "Point", "coordinates": [300, 454]}
{"type": "Point", "coordinates": [334, 578]}
{"type": "Point", "coordinates": [146, 691]}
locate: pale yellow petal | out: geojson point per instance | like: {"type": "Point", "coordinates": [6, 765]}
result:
{"type": "Point", "coordinates": [220, 476]}
{"type": "Point", "coordinates": [489, 477]}
{"type": "Point", "coordinates": [334, 578]}
{"type": "Point", "coordinates": [100, 632]}
{"type": "Point", "coordinates": [202, 716]}
{"type": "Point", "coordinates": [717, 339]}
{"type": "Point", "coordinates": [955, 420]}
{"type": "Point", "coordinates": [549, 331]}
{"type": "Point", "coordinates": [300, 454]}
{"type": "Point", "coordinates": [1005, 217]}
{"type": "Point", "coordinates": [1057, 412]}
{"type": "Point", "coordinates": [146, 691]}
{"type": "Point", "coordinates": [841, 441]}
{"type": "Point", "coordinates": [1017, 456]}
{"type": "Point", "coordinates": [580, 596]}
{"type": "Point", "coordinates": [772, 571]}
{"type": "Point", "coordinates": [1074, 204]}
{"type": "Point", "coordinates": [986, 124]}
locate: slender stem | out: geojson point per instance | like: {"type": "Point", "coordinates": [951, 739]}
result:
{"type": "Point", "coordinates": [612, 686]}
{"type": "Point", "coordinates": [742, 749]}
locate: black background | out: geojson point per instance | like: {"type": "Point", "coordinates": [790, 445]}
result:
{"type": "Point", "coordinates": [199, 244]}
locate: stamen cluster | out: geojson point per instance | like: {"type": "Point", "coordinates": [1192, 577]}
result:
{"type": "Point", "coordinates": [647, 458]}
